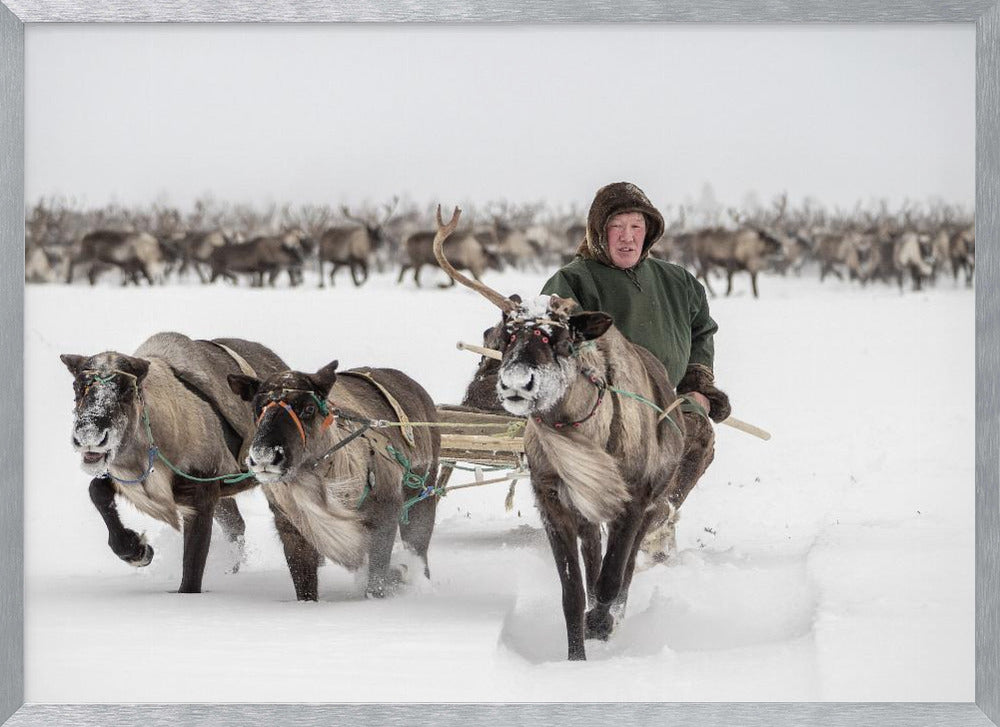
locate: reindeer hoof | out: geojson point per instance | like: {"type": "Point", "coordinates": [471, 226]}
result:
{"type": "Point", "coordinates": [600, 624]}
{"type": "Point", "coordinates": [143, 558]}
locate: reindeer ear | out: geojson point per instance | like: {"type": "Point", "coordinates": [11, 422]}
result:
{"type": "Point", "coordinates": [324, 378]}
{"type": "Point", "coordinates": [73, 362]}
{"type": "Point", "coordinates": [138, 367]}
{"type": "Point", "coordinates": [587, 326]}
{"type": "Point", "coordinates": [245, 387]}
{"type": "Point", "coordinates": [516, 298]}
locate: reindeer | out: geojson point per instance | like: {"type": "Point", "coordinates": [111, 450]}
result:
{"type": "Point", "coordinates": [353, 246]}
{"type": "Point", "coordinates": [962, 252]}
{"type": "Point", "coordinates": [266, 255]}
{"type": "Point", "coordinates": [622, 463]}
{"type": "Point", "coordinates": [158, 429]}
{"type": "Point", "coordinates": [734, 250]}
{"type": "Point", "coordinates": [911, 253]}
{"type": "Point", "coordinates": [196, 249]}
{"type": "Point", "coordinates": [862, 256]}
{"type": "Point", "coordinates": [134, 253]}
{"type": "Point", "coordinates": [465, 251]}
{"type": "Point", "coordinates": [336, 487]}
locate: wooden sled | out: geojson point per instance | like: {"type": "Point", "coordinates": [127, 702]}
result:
{"type": "Point", "coordinates": [482, 439]}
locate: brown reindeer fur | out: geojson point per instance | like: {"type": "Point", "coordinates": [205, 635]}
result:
{"type": "Point", "coordinates": [322, 502]}
{"type": "Point", "coordinates": [624, 466]}
{"type": "Point", "coordinates": [600, 479]}
{"type": "Point", "coordinates": [481, 393]}
{"type": "Point", "coordinates": [196, 422]}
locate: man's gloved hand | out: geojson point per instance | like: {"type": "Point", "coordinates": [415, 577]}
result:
{"type": "Point", "coordinates": [699, 383]}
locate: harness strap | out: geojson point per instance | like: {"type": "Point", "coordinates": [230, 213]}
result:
{"type": "Point", "coordinates": [342, 443]}
{"type": "Point", "coordinates": [602, 387]}
{"type": "Point", "coordinates": [405, 428]}
{"type": "Point", "coordinates": [240, 361]}
{"type": "Point", "coordinates": [153, 451]}
{"type": "Point", "coordinates": [291, 412]}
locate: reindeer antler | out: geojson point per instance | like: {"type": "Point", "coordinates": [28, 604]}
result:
{"type": "Point", "coordinates": [502, 302]}
{"type": "Point", "coordinates": [347, 215]}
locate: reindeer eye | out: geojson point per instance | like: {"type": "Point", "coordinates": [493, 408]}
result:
{"type": "Point", "coordinates": [513, 337]}
{"type": "Point", "coordinates": [308, 411]}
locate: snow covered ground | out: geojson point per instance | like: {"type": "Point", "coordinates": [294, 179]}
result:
{"type": "Point", "coordinates": [834, 562]}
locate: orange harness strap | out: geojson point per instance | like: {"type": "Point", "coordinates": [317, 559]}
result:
{"type": "Point", "coordinates": [291, 412]}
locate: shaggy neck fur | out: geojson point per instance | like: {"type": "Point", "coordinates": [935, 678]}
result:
{"type": "Point", "coordinates": [600, 475]}
{"type": "Point", "coordinates": [322, 502]}
{"type": "Point", "coordinates": [177, 417]}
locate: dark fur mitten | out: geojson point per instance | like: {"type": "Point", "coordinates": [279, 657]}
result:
{"type": "Point", "coordinates": [701, 379]}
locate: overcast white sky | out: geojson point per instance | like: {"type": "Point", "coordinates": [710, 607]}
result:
{"type": "Point", "coordinates": [327, 114]}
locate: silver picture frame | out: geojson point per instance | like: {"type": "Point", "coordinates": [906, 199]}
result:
{"type": "Point", "coordinates": [985, 14]}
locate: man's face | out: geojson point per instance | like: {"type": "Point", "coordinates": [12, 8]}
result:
{"type": "Point", "coordinates": [626, 232]}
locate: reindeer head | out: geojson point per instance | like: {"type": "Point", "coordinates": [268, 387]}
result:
{"type": "Point", "coordinates": [292, 413]}
{"type": "Point", "coordinates": [108, 405]}
{"type": "Point", "coordinates": [374, 226]}
{"type": "Point", "coordinates": [298, 243]}
{"type": "Point", "coordinates": [541, 339]}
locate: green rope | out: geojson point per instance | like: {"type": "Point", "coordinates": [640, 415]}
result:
{"type": "Point", "coordinates": [637, 397]}
{"type": "Point", "coordinates": [226, 479]}
{"type": "Point", "coordinates": [410, 478]}
{"type": "Point", "coordinates": [415, 482]}
{"type": "Point", "coordinates": [367, 489]}
{"type": "Point", "coordinates": [688, 402]}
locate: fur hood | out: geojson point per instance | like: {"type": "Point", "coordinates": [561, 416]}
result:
{"type": "Point", "coordinates": [611, 200]}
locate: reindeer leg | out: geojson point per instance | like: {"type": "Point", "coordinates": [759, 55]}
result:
{"type": "Point", "coordinates": [621, 538]}
{"type": "Point", "coordinates": [125, 543]}
{"type": "Point", "coordinates": [590, 548]}
{"type": "Point", "coordinates": [382, 537]}
{"type": "Point", "coordinates": [703, 274]}
{"type": "Point", "coordinates": [562, 539]}
{"type": "Point", "coordinates": [203, 498]}
{"type": "Point", "coordinates": [402, 272]}
{"type": "Point", "coordinates": [301, 556]}
{"type": "Point", "coordinates": [355, 276]}
{"type": "Point", "coordinates": [227, 514]}
{"type": "Point", "coordinates": [618, 607]}
{"type": "Point", "coordinates": [416, 533]}
{"type": "Point", "coordinates": [753, 283]}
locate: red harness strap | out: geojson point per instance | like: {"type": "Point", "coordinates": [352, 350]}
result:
{"type": "Point", "coordinates": [291, 412]}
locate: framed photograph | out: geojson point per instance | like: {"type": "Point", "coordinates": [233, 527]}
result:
{"type": "Point", "coordinates": [844, 572]}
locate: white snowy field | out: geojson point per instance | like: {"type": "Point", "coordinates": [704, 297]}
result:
{"type": "Point", "coordinates": [834, 562]}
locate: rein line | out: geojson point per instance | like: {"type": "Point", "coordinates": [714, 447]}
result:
{"type": "Point", "coordinates": [154, 452]}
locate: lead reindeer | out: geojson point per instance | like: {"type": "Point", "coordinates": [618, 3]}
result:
{"type": "Point", "coordinates": [596, 456]}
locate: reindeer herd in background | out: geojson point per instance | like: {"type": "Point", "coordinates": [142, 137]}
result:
{"type": "Point", "coordinates": [234, 244]}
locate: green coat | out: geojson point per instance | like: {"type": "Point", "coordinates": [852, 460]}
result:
{"type": "Point", "coordinates": [655, 304]}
